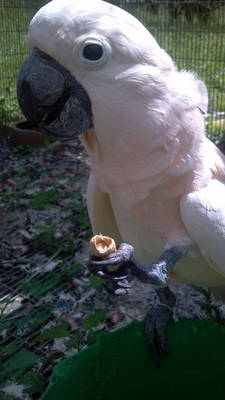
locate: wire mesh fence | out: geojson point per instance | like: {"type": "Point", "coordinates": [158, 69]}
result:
{"type": "Point", "coordinates": [192, 32]}
{"type": "Point", "coordinates": [44, 227]}
{"type": "Point", "coordinates": [42, 284]}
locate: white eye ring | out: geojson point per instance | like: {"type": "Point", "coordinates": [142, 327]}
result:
{"type": "Point", "coordinates": [98, 50]}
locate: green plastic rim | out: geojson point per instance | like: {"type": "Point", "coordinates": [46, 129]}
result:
{"type": "Point", "coordinates": [120, 366]}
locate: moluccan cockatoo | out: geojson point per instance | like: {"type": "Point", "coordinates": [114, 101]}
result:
{"type": "Point", "coordinates": [157, 184]}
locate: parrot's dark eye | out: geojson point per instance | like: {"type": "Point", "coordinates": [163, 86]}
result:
{"type": "Point", "coordinates": [92, 52]}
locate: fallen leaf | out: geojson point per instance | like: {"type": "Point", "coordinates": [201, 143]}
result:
{"type": "Point", "coordinates": [53, 333]}
{"type": "Point", "coordinates": [15, 365]}
{"type": "Point", "coordinates": [12, 389]}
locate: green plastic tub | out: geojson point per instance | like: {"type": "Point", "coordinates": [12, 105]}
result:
{"type": "Point", "coordinates": [119, 366]}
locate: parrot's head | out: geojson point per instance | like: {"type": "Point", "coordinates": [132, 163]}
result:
{"type": "Point", "coordinates": [82, 68]}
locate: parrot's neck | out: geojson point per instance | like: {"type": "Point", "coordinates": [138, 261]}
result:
{"type": "Point", "coordinates": [141, 143]}
{"type": "Point", "coordinates": [137, 169]}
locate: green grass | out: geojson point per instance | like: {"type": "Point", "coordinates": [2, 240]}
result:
{"type": "Point", "coordinates": [194, 45]}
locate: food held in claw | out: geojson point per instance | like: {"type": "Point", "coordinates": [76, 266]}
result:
{"type": "Point", "coordinates": [101, 246]}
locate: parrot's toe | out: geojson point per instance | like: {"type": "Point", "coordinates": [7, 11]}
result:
{"type": "Point", "coordinates": [114, 269]}
{"type": "Point", "coordinates": [118, 288]}
{"type": "Point", "coordinates": [116, 278]}
{"type": "Point", "coordinates": [120, 257]}
{"type": "Point", "coordinates": [112, 276]}
{"type": "Point", "coordinates": [156, 322]}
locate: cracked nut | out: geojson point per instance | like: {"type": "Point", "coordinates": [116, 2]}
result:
{"type": "Point", "coordinates": [101, 246]}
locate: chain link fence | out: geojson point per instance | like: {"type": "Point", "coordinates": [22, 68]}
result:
{"type": "Point", "coordinates": [45, 291]}
{"type": "Point", "coordinates": [192, 32]}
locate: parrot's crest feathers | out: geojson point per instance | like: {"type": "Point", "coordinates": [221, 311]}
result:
{"type": "Point", "coordinates": [203, 103]}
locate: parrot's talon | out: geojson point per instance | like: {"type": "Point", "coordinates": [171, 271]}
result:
{"type": "Point", "coordinates": [121, 291]}
{"type": "Point", "coordinates": [103, 275]}
{"type": "Point", "coordinates": [156, 321]}
{"type": "Point", "coordinates": [122, 256]}
{"type": "Point", "coordinates": [125, 285]}
{"type": "Point", "coordinates": [117, 290]}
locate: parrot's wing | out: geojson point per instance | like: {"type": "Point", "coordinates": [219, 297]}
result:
{"type": "Point", "coordinates": [203, 213]}
{"type": "Point", "coordinates": [100, 211]}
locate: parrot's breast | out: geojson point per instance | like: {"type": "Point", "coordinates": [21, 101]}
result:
{"type": "Point", "coordinates": [152, 224]}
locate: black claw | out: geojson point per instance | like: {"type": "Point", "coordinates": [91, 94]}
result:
{"type": "Point", "coordinates": [125, 285]}
{"type": "Point", "coordinates": [121, 292]}
{"type": "Point", "coordinates": [103, 275]}
{"type": "Point", "coordinates": [116, 290]}
{"type": "Point", "coordinates": [156, 321]}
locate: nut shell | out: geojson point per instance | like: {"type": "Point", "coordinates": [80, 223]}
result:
{"type": "Point", "coordinates": [101, 246]}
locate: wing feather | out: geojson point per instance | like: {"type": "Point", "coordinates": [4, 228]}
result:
{"type": "Point", "coordinates": [203, 213]}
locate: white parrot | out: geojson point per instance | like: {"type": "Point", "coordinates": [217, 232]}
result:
{"type": "Point", "coordinates": [157, 184]}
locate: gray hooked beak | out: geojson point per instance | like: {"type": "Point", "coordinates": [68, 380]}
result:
{"type": "Point", "coordinates": [51, 98]}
